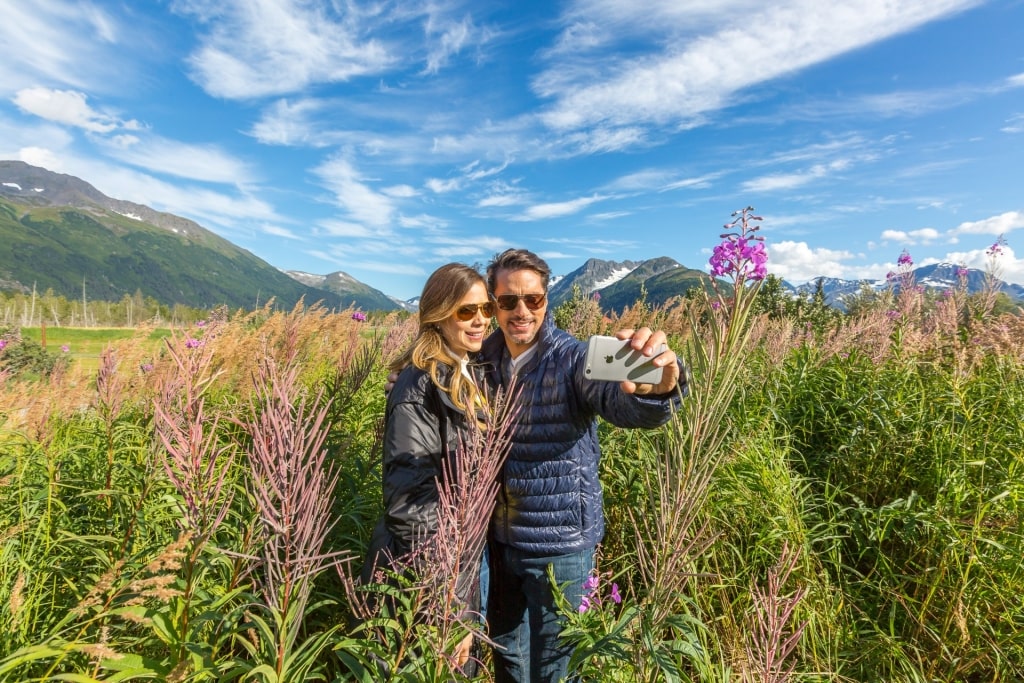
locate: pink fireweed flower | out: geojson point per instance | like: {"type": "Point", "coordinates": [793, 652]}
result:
{"type": "Point", "coordinates": [192, 343]}
{"type": "Point", "coordinates": [65, 348]}
{"type": "Point", "coordinates": [3, 344]}
{"type": "Point", "coordinates": [359, 316]}
{"type": "Point", "coordinates": [615, 594]}
{"type": "Point", "coordinates": [904, 259]}
{"type": "Point", "coordinates": [997, 248]}
{"type": "Point", "coordinates": [597, 296]}
{"type": "Point", "coordinates": [892, 315]}
{"type": "Point", "coordinates": [200, 323]}
{"type": "Point", "coordinates": [740, 254]}
{"type": "Point", "coordinates": [146, 367]}
{"type": "Point", "coordinates": [961, 272]}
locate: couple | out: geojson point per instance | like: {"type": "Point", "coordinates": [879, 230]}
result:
{"type": "Point", "coordinates": [549, 508]}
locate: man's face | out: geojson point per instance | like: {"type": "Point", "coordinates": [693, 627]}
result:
{"type": "Point", "coordinates": [520, 324]}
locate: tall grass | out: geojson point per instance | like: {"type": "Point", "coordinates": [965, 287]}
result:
{"type": "Point", "coordinates": [834, 504]}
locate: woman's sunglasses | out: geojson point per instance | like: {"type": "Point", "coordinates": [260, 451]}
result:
{"type": "Point", "coordinates": [468, 312]}
{"type": "Point", "coordinates": [508, 302]}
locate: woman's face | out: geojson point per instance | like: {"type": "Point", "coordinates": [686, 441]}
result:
{"type": "Point", "coordinates": [464, 336]}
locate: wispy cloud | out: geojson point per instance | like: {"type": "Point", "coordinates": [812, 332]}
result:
{"type": "Point", "coordinates": [799, 262]}
{"type": "Point", "coordinates": [1014, 124]}
{"type": "Point", "coordinates": [558, 209]}
{"type": "Point", "coordinates": [55, 42]}
{"type": "Point", "coordinates": [69, 107]}
{"type": "Point", "coordinates": [690, 77]}
{"type": "Point", "coordinates": [995, 225]}
{"type": "Point", "coordinates": [910, 237]}
{"type": "Point", "coordinates": [352, 193]}
{"type": "Point", "coordinates": [274, 47]}
{"type": "Point", "coordinates": [789, 181]}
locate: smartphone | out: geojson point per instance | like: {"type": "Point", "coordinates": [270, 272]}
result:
{"type": "Point", "coordinates": [614, 360]}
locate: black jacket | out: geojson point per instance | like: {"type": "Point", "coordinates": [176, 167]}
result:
{"type": "Point", "coordinates": [422, 429]}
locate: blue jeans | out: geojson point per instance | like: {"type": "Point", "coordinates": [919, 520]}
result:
{"type": "Point", "coordinates": [522, 618]}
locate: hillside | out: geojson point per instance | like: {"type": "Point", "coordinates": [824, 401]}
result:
{"type": "Point", "coordinates": [61, 233]}
{"type": "Point", "coordinates": [350, 290]}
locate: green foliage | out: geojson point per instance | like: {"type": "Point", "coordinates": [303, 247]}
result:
{"type": "Point", "coordinates": [109, 256]}
{"type": "Point", "coordinates": [895, 474]}
{"type": "Point", "coordinates": [25, 357]}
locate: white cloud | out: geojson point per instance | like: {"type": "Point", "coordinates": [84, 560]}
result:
{"type": "Point", "coordinates": [447, 39]}
{"type": "Point", "coordinates": [354, 195]}
{"type": "Point", "coordinates": [1007, 266]}
{"type": "Point", "coordinates": [798, 262]}
{"type": "Point", "coordinates": [288, 123]}
{"type": "Point", "coordinates": [439, 186]}
{"type": "Point", "coordinates": [1014, 124]}
{"type": "Point", "coordinates": [271, 47]}
{"type": "Point", "coordinates": [910, 237]}
{"type": "Point", "coordinates": [193, 162]}
{"type": "Point", "coordinates": [400, 191]}
{"type": "Point", "coordinates": [996, 225]}
{"type": "Point", "coordinates": [68, 107]}
{"type": "Point", "coordinates": [278, 231]}
{"type": "Point", "coordinates": [787, 181]}
{"type": "Point", "coordinates": [336, 228]}
{"type": "Point", "coordinates": [56, 41]}
{"type": "Point", "coordinates": [558, 209]}
{"type": "Point", "coordinates": [696, 75]}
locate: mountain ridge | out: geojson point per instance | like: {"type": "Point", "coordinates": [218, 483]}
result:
{"type": "Point", "coordinates": [64, 234]}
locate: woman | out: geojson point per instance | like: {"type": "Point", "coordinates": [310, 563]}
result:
{"type": "Point", "coordinates": [430, 410]}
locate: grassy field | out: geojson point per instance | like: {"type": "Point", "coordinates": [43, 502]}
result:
{"type": "Point", "coordinates": [85, 344]}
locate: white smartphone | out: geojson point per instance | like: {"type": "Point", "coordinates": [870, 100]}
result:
{"type": "Point", "coordinates": [614, 360]}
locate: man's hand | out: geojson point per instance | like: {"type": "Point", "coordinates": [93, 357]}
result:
{"type": "Point", "coordinates": [646, 341]}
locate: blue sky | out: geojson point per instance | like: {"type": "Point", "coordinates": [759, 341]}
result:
{"type": "Point", "coordinates": [386, 138]}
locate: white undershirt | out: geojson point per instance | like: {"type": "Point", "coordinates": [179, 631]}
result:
{"type": "Point", "coordinates": [521, 359]}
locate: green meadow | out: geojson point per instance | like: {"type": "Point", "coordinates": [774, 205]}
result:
{"type": "Point", "coordinates": [839, 498]}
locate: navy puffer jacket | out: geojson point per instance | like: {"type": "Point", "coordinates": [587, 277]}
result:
{"type": "Point", "coordinates": [550, 500]}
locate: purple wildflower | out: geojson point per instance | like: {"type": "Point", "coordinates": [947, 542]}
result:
{"type": "Point", "coordinates": [961, 272]}
{"type": "Point", "coordinates": [359, 316]}
{"type": "Point", "coordinates": [200, 323]}
{"type": "Point", "coordinates": [65, 348]}
{"type": "Point", "coordinates": [615, 594]}
{"type": "Point", "coordinates": [741, 255]}
{"type": "Point", "coordinates": [904, 259]}
{"type": "Point", "coordinates": [597, 296]}
{"type": "Point", "coordinates": [192, 343]}
{"type": "Point", "coordinates": [3, 344]}
{"type": "Point", "coordinates": [146, 367]}
{"type": "Point", "coordinates": [584, 604]}
{"type": "Point", "coordinates": [892, 315]}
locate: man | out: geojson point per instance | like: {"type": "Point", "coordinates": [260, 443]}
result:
{"type": "Point", "coordinates": [550, 509]}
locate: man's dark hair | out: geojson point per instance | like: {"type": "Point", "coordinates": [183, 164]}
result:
{"type": "Point", "coordinates": [517, 259]}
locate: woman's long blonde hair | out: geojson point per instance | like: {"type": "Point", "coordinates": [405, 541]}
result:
{"type": "Point", "coordinates": [442, 294]}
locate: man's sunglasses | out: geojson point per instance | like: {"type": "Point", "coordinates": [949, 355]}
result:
{"type": "Point", "coordinates": [468, 312]}
{"type": "Point", "coordinates": [508, 302]}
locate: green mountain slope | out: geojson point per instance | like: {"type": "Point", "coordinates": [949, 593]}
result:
{"type": "Point", "coordinates": [663, 278]}
{"type": "Point", "coordinates": [350, 290]}
{"type": "Point", "coordinates": [111, 255]}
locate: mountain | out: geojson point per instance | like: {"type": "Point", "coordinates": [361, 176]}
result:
{"type": "Point", "coordinates": [59, 232]}
{"type": "Point", "coordinates": [936, 277]}
{"type": "Point", "coordinates": [593, 275]}
{"type": "Point", "coordinates": [657, 279]}
{"type": "Point", "coordinates": [351, 291]}
{"type": "Point", "coordinates": [620, 283]}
